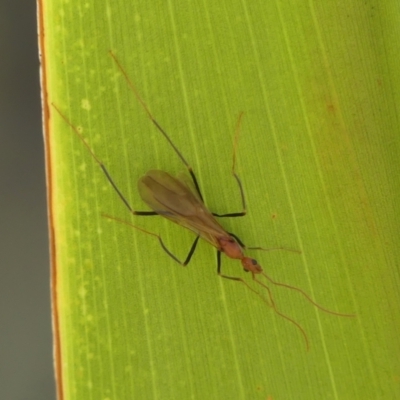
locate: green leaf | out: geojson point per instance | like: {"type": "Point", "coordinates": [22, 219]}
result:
{"type": "Point", "coordinates": [318, 157]}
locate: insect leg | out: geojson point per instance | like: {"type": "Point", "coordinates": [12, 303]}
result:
{"type": "Point", "coordinates": [233, 278]}
{"type": "Point", "coordinates": [188, 257]}
{"type": "Point", "coordinates": [261, 248]}
{"type": "Point", "coordinates": [235, 175]}
{"type": "Point", "coordinates": [238, 240]}
{"type": "Point", "coordinates": [165, 248]}
{"type": "Point", "coordinates": [103, 167]}
{"type": "Point", "coordinates": [272, 248]}
{"type": "Point", "coordinates": [192, 249]}
{"type": "Point", "coordinates": [154, 121]}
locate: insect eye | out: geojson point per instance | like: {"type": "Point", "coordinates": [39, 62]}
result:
{"type": "Point", "coordinates": [254, 262]}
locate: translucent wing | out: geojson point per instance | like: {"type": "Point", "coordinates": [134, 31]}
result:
{"type": "Point", "coordinates": [187, 181]}
{"type": "Point", "coordinates": [173, 199]}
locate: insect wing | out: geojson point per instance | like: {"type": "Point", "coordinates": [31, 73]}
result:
{"type": "Point", "coordinates": [172, 199]}
{"type": "Point", "coordinates": [188, 182]}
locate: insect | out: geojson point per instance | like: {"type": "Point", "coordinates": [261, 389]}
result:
{"type": "Point", "coordinates": [180, 200]}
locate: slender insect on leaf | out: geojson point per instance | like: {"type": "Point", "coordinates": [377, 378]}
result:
{"type": "Point", "coordinates": [181, 202]}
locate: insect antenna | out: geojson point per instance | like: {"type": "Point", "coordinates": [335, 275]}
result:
{"type": "Point", "coordinates": [273, 304]}
{"type": "Point", "coordinates": [301, 291]}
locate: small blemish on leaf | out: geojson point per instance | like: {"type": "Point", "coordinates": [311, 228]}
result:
{"type": "Point", "coordinates": [86, 104]}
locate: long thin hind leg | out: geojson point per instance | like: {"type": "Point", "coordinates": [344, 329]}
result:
{"type": "Point", "coordinates": [102, 166]}
{"type": "Point", "coordinates": [154, 121]}
{"type": "Point", "coordinates": [179, 154]}
{"type": "Point", "coordinates": [165, 248]}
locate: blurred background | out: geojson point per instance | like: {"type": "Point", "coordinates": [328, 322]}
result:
{"type": "Point", "coordinates": [26, 361]}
